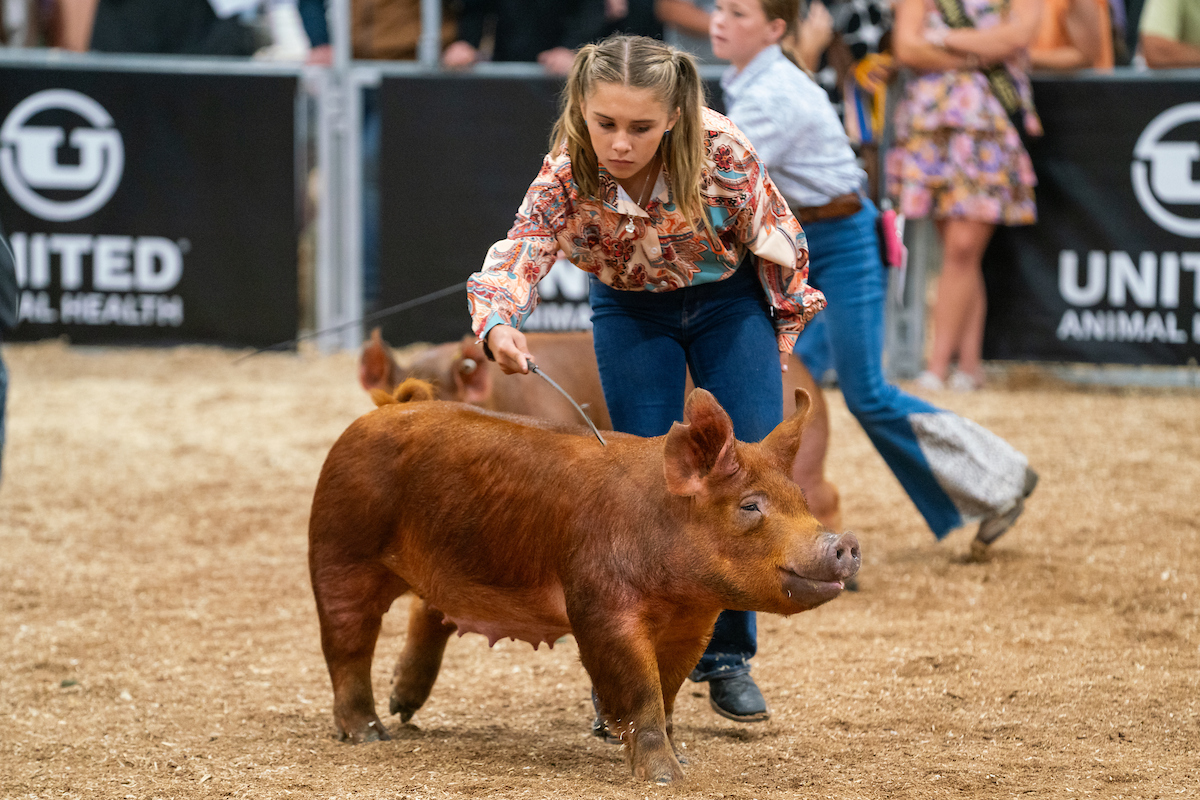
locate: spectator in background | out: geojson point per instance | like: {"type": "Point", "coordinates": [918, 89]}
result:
{"type": "Point", "coordinates": [19, 24]}
{"type": "Point", "coordinates": [169, 26]}
{"type": "Point", "coordinates": [391, 29]}
{"type": "Point", "coordinates": [685, 25]}
{"type": "Point", "coordinates": [46, 23]}
{"type": "Point", "coordinates": [316, 26]}
{"type": "Point", "coordinates": [545, 31]}
{"type": "Point", "coordinates": [1073, 34]}
{"type": "Point", "coordinates": [1170, 33]}
{"type": "Point", "coordinates": [959, 156]}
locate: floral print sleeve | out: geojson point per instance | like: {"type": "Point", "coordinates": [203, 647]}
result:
{"type": "Point", "coordinates": [503, 291]}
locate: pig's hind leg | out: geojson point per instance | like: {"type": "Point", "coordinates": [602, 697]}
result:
{"type": "Point", "coordinates": [419, 663]}
{"type": "Point", "coordinates": [351, 601]}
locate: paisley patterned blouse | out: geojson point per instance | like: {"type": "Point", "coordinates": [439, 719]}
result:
{"type": "Point", "coordinates": [652, 249]}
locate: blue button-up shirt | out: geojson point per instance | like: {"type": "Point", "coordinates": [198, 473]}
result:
{"type": "Point", "coordinates": [791, 124]}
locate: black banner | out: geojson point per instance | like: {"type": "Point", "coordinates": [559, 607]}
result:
{"type": "Point", "coordinates": [1111, 272]}
{"type": "Point", "coordinates": [150, 208]}
{"type": "Point", "coordinates": [458, 154]}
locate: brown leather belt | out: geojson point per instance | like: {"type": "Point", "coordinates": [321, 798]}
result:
{"type": "Point", "coordinates": [841, 206]}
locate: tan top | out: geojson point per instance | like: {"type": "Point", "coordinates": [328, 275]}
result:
{"type": "Point", "coordinates": [1052, 32]}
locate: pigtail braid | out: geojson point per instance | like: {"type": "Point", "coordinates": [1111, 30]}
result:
{"type": "Point", "coordinates": [684, 152]}
{"type": "Point", "coordinates": [571, 128]}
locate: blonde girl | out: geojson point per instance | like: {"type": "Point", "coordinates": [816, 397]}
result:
{"type": "Point", "coordinates": [695, 262]}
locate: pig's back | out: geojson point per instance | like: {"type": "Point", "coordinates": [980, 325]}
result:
{"type": "Point", "coordinates": [476, 511]}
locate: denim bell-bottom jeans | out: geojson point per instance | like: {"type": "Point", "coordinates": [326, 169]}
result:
{"type": "Point", "coordinates": [646, 342]}
{"type": "Point", "coordinates": [953, 470]}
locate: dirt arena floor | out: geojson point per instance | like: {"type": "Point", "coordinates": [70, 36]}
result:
{"type": "Point", "coordinates": [160, 639]}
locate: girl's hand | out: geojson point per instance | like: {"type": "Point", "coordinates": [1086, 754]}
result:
{"type": "Point", "coordinates": [459, 55]}
{"type": "Point", "coordinates": [814, 35]}
{"type": "Point", "coordinates": [510, 349]}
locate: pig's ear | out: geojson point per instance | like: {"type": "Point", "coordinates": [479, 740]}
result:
{"type": "Point", "coordinates": [702, 450]}
{"type": "Point", "coordinates": [375, 365]}
{"type": "Point", "coordinates": [784, 441]}
{"type": "Point", "coordinates": [472, 378]}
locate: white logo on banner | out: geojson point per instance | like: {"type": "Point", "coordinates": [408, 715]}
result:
{"type": "Point", "coordinates": [29, 157]}
{"type": "Point", "coordinates": [1163, 171]}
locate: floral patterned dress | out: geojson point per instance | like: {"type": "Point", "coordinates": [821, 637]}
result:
{"type": "Point", "coordinates": [957, 155]}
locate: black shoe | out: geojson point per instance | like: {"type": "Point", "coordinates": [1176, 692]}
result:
{"type": "Point", "coordinates": [738, 699]}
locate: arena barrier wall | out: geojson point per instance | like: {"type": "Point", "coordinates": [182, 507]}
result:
{"type": "Point", "coordinates": [194, 237]}
{"type": "Point", "coordinates": [151, 201]}
{"type": "Point", "coordinates": [1111, 272]}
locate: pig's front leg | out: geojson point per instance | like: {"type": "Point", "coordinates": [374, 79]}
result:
{"type": "Point", "coordinates": [619, 657]}
{"type": "Point", "coordinates": [677, 652]}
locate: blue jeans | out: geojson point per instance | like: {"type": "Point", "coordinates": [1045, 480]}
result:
{"type": "Point", "coordinates": [646, 342]}
{"type": "Point", "coordinates": [952, 469]}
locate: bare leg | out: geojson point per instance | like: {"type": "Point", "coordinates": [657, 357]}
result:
{"type": "Point", "coordinates": [419, 663]}
{"type": "Point", "coordinates": [960, 296]}
{"type": "Point", "coordinates": [970, 351]}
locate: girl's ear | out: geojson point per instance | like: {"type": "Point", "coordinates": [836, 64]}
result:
{"type": "Point", "coordinates": [777, 28]}
{"type": "Point", "coordinates": [673, 118]}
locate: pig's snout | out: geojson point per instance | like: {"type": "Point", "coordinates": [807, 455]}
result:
{"type": "Point", "coordinates": [841, 555]}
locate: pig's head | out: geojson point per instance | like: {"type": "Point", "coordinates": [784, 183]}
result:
{"type": "Point", "coordinates": [749, 524]}
{"type": "Point", "coordinates": [458, 371]}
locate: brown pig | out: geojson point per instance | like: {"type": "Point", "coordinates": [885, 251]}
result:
{"type": "Point", "coordinates": [514, 527]}
{"type": "Point", "coordinates": [460, 371]}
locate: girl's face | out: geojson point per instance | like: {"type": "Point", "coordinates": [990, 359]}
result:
{"type": "Point", "coordinates": [740, 30]}
{"type": "Point", "coordinates": [626, 126]}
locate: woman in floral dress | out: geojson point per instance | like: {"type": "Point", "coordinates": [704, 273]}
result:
{"type": "Point", "coordinates": [959, 156]}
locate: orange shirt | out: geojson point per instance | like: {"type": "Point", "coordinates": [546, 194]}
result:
{"type": "Point", "coordinates": [1052, 32]}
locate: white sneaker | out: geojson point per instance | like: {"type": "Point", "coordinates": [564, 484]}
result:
{"type": "Point", "coordinates": [930, 382]}
{"type": "Point", "coordinates": [962, 382]}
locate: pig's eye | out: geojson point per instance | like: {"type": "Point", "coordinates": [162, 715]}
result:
{"type": "Point", "coordinates": [750, 507]}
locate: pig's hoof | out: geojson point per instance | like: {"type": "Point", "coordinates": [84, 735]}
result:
{"type": "Point", "coordinates": [405, 710]}
{"type": "Point", "coordinates": [661, 774]}
{"type": "Point", "coordinates": [373, 731]}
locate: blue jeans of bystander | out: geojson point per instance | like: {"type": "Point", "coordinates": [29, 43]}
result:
{"type": "Point", "coordinates": [953, 469]}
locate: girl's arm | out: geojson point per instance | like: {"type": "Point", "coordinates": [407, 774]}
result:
{"type": "Point", "coordinates": [913, 50]}
{"type": "Point", "coordinates": [501, 296]}
{"type": "Point", "coordinates": [814, 36]}
{"type": "Point", "coordinates": [1164, 53]}
{"type": "Point", "coordinates": [1081, 23]}
{"type": "Point", "coordinates": [1062, 59]}
{"type": "Point", "coordinates": [1002, 41]}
